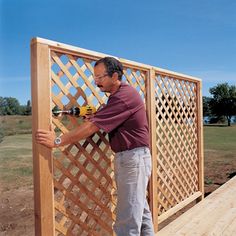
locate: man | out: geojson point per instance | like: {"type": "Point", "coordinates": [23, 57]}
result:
{"type": "Point", "coordinates": [124, 119]}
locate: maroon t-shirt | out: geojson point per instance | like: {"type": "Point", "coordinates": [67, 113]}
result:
{"type": "Point", "coordinates": [124, 119]}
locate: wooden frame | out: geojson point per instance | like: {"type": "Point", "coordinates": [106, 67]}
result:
{"type": "Point", "coordinates": [74, 186]}
{"type": "Point", "coordinates": [42, 162]}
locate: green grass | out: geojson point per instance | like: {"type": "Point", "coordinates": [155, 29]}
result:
{"type": "Point", "coordinates": [219, 153]}
{"type": "Point", "coordinates": [220, 148]}
{"type": "Point", "coordinates": [15, 151]}
{"type": "Point", "coordinates": [221, 138]}
{"type": "Point", "coordinates": [16, 161]}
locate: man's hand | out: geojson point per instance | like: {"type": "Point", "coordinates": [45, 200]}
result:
{"type": "Point", "coordinates": [82, 131]}
{"type": "Point", "coordinates": [45, 138]}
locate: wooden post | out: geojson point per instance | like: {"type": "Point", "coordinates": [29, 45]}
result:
{"type": "Point", "coordinates": [42, 158]}
{"type": "Point", "coordinates": [200, 139]}
{"type": "Point", "coordinates": [151, 111]}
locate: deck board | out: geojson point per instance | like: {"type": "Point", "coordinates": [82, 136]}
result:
{"type": "Point", "coordinates": [215, 215]}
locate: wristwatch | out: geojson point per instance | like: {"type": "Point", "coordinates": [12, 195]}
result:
{"type": "Point", "coordinates": [57, 141]}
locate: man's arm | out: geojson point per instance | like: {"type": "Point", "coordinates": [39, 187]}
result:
{"type": "Point", "coordinates": [83, 131]}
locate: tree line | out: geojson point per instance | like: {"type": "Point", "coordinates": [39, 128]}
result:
{"type": "Point", "coordinates": [11, 106]}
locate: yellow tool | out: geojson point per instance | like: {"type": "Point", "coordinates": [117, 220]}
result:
{"type": "Point", "coordinates": [75, 111]}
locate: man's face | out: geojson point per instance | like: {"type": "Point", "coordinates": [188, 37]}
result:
{"type": "Point", "coordinates": [102, 79]}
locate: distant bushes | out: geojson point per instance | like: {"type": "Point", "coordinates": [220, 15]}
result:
{"type": "Point", "coordinates": [1, 136]}
{"type": "Point", "coordinates": [11, 106]}
{"type": "Point", "coordinates": [14, 124]}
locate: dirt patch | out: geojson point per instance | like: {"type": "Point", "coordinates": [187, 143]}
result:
{"type": "Point", "coordinates": [17, 212]}
{"type": "Point", "coordinates": [216, 175]}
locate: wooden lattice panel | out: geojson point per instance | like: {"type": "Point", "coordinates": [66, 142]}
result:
{"type": "Point", "coordinates": [177, 159]}
{"type": "Point", "coordinates": [75, 192]}
{"type": "Point", "coordinates": [83, 172]}
{"type": "Point", "coordinates": [137, 78]}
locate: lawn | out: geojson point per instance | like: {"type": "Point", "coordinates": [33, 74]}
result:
{"type": "Point", "coordinates": [220, 138]}
{"type": "Point", "coordinates": [219, 154]}
{"type": "Point", "coordinates": [16, 161]}
{"type": "Point", "coordinates": [11, 125]}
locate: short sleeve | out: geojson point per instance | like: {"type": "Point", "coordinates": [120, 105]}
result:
{"type": "Point", "coordinates": [112, 115]}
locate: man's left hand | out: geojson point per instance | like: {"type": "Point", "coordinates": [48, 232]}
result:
{"type": "Point", "coordinates": [45, 138]}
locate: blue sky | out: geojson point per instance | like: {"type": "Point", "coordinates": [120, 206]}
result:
{"type": "Point", "coordinates": [197, 38]}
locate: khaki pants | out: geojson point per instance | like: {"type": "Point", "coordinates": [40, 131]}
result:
{"type": "Point", "coordinates": [132, 172]}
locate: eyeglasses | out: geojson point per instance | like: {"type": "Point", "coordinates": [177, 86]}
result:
{"type": "Point", "coordinates": [100, 77]}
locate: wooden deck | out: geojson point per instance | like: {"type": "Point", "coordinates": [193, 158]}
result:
{"type": "Point", "coordinates": [215, 215]}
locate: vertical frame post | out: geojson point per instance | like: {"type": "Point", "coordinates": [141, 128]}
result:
{"type": "Point", "coordinates": [151, 112]}
{"type": "Point", "coordinates": [200, 139]}
{"type": "Point", "coordinates": [42, 158]}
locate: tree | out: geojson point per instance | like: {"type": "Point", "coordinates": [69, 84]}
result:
{"type": "Point", "coordinates": [9, 106]}
{"type": "Point", "coordinates": [2, 106]}
{"type": "Point", "coordinates": [26, 110]}
{"type": "Point", "coordinates": [206, 107]}
{"type": "Point", "coordinates": [223, 102]}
